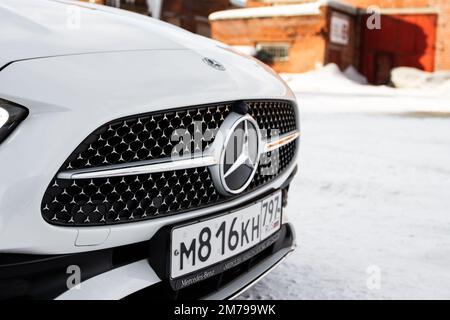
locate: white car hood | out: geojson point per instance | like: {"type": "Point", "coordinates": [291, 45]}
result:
{"type": "Point", "coordinates": [44, 28]}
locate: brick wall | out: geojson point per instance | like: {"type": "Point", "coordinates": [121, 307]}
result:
{"type": "Point", "coordinates": [443, 35]}
{"type": "Point", "coordinates": [305, 36]}
{"type": "Point", "coordinates": [389, 3]}
{"type": "Point", "coordinates": [95, 1]}
{"type": "Point", "coordinates": [255, 3]}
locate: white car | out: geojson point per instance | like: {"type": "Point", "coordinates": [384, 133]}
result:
{"type": "Point", "coordinates": [137, 160]}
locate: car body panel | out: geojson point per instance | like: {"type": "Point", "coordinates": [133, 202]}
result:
{"type": "Point", "coordinates": [33, 29]}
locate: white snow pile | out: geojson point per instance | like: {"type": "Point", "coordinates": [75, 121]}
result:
{"type": "Point", "coordinates": [325, 79]}
{"type": "Point", "coordinates": [312, 8]}
{"type": "Point", "coordinates": [281, 10]}
{"type": "Point", "coordinates": [331, 80]}
{"type": "Point", "coordinates": [405, 77]}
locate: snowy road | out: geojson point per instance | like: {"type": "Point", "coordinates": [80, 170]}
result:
{"type": "Point", "coordinates": [373, 194]}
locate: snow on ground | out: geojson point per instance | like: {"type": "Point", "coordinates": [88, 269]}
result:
{"type": "Point", "coordinates": [373, 193]}
{"type": "Point", "coordinates": [329, 81]}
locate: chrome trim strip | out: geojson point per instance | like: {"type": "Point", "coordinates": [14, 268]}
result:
{"type": "Point", "coordinates": [141, 167]}
{"type": "Point", "coordinates": [165, 164]}
{"type": "Point", "coordinates": [244, 282]}
{"type": "Point", "coordinates": [281, 141]}
{"type": "Point", "coordinates": [262, 276]}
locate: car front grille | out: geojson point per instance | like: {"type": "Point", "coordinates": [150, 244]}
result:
{"type": "Point", "coordinates": [100, 201]}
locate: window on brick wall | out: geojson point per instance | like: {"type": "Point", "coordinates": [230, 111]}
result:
{"type": "Point", "coordinates": [272, 52]}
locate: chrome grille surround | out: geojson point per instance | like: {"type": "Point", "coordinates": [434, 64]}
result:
{"type": "Point", "coordinates": [71, 201]}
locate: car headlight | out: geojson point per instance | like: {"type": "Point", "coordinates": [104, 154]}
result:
{"type": "Point", "coordinates": [11, 114]}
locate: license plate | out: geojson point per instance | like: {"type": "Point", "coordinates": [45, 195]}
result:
{"type": "Point", "coordinates": [200, 245]}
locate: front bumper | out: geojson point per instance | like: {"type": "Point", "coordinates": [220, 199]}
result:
{"type": "Point", "coordinates": [125, 272]}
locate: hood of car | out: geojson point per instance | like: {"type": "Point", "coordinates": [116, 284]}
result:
{"type": "Point", "coordinates": [32, 29]}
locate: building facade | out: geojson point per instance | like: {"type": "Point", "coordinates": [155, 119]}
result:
{"type": "Point", "coordinates": [299, 35]}
{"type": "Point", "coordinates": [191, 15]}
{"type": "Point", "coordinates": [293, 38]}
{"type": "Point", "coordinates": [296, 36]}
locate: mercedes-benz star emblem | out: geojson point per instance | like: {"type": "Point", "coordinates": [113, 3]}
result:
{"type": "Point", "coordinates": [240, 139]}
{"type": "Point", "coordinates": [214, 64]}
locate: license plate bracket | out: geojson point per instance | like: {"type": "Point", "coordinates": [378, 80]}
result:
{"type": "Point", "coordinates": [223, 266]}
{"type": "Point", "coordinates": [268, 210]}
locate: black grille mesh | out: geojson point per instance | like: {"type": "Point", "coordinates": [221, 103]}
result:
{"type": "Point", "coordinates": [132, 198]}
{"type": "Point", "coordinates": [148, 137]}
